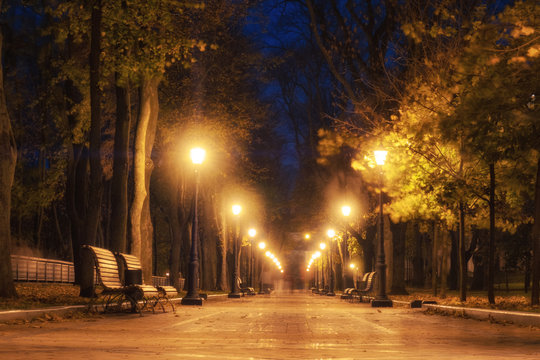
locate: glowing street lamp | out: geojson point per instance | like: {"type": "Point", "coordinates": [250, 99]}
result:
{"type": "Point", "coordinates": [381, 300]}
{"type": "Point", "coordinates": [380, 156]}
{"type": "Point", "coordinates": [235, 291]}
{"type": "Point", "coordinates": [192, 297]}
{"type": "Point", "coordinates": [346, 210]}
{"type": "Point", "coordinates": [307, 236]}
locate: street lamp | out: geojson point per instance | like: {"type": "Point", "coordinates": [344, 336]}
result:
{"type": "Point", "coordinates": [381, 300]}
{"type": "Point", "coordinates": [307, 236]}
{"type": "Point", "coordinates": [251, 232]}
{"type": "Point", "coordinates": [262, 246]}
{"type": "Point", "coordinates": [235, 291]}
{"type": "Point", "coordinates": [331, 234]}
{"type": "Point", "coordinates": [346, 210]}
{"type": "Point", "coordinates": [192, 297]}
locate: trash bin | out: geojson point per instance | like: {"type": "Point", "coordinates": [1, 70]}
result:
{"type": "Point", "coordinates": [181, 282]}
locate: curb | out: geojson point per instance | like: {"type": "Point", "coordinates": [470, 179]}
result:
{"type": "Point", "coordinates": [515, 317]}
{"type": "Point", "coordinates": [10, 315]}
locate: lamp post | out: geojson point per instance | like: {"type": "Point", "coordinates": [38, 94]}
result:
{"type": "Point", "coordinates": [331, 234]}
{"type": "Point", "coordinates": [235, 291]}
{"type": "Point", "coordinates": [192, 297]}
{"type": "Point", "coordinates": [252, 232]}
{"type": "Point", "coordinates": [262, 246]}
{"type": "Point", "coordinates": [381, 300]}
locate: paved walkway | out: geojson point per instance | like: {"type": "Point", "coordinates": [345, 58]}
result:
{"type": "Point", "coordinates": [287, 326]}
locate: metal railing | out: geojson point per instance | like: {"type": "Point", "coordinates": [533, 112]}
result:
{"type": "Point", "coordinates": [33, 269]}
{"type": "Point", "coordinates": [26, 268]}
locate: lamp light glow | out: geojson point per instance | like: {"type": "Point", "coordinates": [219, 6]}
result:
{"type": "Point", "coordinates": [346, 210]}
{"type": "Point", "coordinates": [252, 232]}
{"type": "Point", "coordinates": [380, 156]}
{"type": "Point", "coordinates": [236, 209]}
{"type": "Point", "coordinates": [331, 233]}
{"type": "Point", "coordinates": [262, 245]}
{"type": "Point", "coordinates": [322, 246]}
{"type": "Point", "coordinates": [197, 155]}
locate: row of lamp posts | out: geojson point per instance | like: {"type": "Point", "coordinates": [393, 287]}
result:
{"type": "Point", "coordinates": [192, 296]}
{"type": "Point", "coordinates": [381, 299]}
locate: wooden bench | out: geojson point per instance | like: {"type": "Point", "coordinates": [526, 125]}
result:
{"type": "Point", "coordinates": [114, 292]}
{"type": "Point", "coordinates": [245, 290]}
{"type": "Point", "coordinates": [348, 293]}
{"type": "Point", "coordinates": [133, 276]}
{"type": "Point", "coordinates": [368, 281]}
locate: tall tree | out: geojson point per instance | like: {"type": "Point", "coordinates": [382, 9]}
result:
{"type": "Point", "coordinates": [8, 158]}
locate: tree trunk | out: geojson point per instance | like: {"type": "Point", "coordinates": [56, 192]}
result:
{"type": "Point", "coordinates": [491, 248]}
{"type": "Point", "coordinates": [535, 288]}
{"type": "Point", "coordinates": [141, 222]}
{"type": "Point", "coordinates": [8, 158]}
{"type": "Point", "coordinates": [369, 248]}
{"type": "Point", "coordinates": [462, 254]}
{"type": "Point", "coordinates": [177, 219]}
{"type": "Point", "coordinates": [434, 258]}
{"type": "Point", "coordinates": [418, 259]}
{"type": "Point", "coordinates": [399, 231]}
{"type": "Point", "coordinates": [96, 172]}
{"type": "Point", "coordinates": [222, 241]}
{"type": "Point", "coordinates": [119, 186]}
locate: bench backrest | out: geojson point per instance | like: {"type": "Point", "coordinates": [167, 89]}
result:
{"type": "Point", "coordinates": [106, 267]}
{"type": "Point", "coordinates": [131, 262]}
{"type": "Point", "coordinates": [364, 279]}
{"type": "Point", "coordinates": [369, 283]}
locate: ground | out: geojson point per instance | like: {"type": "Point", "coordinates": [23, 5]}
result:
{"type": "Point", "coordinates": [279, 326]}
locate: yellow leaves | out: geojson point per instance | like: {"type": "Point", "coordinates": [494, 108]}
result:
{"type": "Point", "coordinates": [517, 60]}
{"type": "Point", "coordinates": [358, 165]}
{"type": "Point", "coordinates": [521, 31]}
{"type": "Point", "coordinates": [534, 51]}
{"type": "Point", "coordinates": [494, 60]}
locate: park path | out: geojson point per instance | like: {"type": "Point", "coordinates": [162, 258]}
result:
{"type": "Point", "coordinates": [280, 326]}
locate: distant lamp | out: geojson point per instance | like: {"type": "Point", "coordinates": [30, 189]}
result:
{"type": "Point", "coordinates": [331, 233]}
{"type": "Point", "coordinates": [252, 232]}
{"type": "Point", "coordinates": [380, 156]}
{"type": "Point", "coordinates": [197, 155]}
{"type": "Point", "coordinates": [262, 245]}
{"type": "Point", "coordinates": [346, 210]}
{"type": "Point", "coordinates": [236, 209]}
{"type": "Point", "coordinates": [322, 246]}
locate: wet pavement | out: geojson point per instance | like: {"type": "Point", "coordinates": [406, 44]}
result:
{"type": "Point", "coordinates": [279, 326]}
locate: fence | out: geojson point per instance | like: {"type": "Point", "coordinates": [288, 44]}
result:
{"type": "Point", "coordinates": [26, 268]}
{"type": "Point", "coordinates": [33, 269]}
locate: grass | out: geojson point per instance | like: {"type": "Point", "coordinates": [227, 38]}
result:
{"type": "Point", "coordinates": [513, 300]}
{"type": "Point", "coordinates": [43, 295]}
